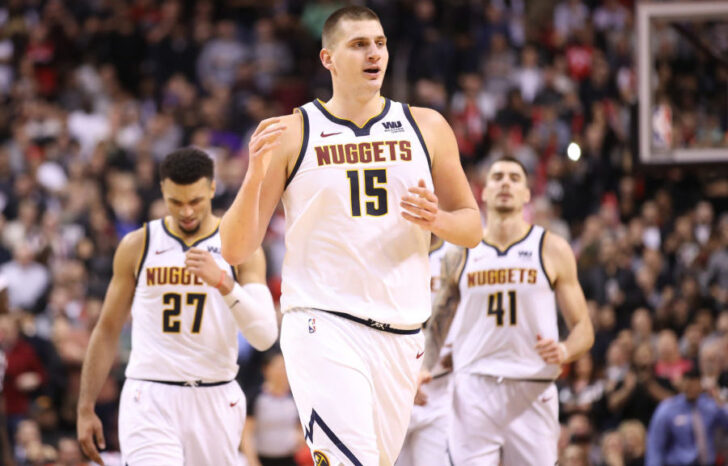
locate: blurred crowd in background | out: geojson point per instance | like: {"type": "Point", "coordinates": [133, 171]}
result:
{"type": "Point", "coordinates": [93, 94]}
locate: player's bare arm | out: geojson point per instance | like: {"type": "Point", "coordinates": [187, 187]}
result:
{"type": "Point", "coordinates": [444, 306]}
{"type": "Point", "coordinates": [102, 346]}
{"type": "Point", "coordinates": [249, 447]}
{"type": "Point", "coordinates": [273, 149]}
{"type": "Point", "coordinates": [249, 300]}
{"type": "Point", "coordinates": [451, 211]}
{"type": "Point", "coordinates": [560, 266]}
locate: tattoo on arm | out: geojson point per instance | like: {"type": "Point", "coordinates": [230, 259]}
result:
{"type": "Point", "coordinates": [444, 306]}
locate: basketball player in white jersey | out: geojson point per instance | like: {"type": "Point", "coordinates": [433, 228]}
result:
{"type": "Point", "coordinates": [180, 404]}
{"type": "Point", "coordinates": [426, 440]}
{"type": "Point", "coordinates": [506, 348]}
{"type": "Point", "coordinates": [364, 180]}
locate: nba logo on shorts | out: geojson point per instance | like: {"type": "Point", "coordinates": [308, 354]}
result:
{"type": "Point", "coordinates": [311, 325]}
{"type": "Point", "coordinates": [319, 459]}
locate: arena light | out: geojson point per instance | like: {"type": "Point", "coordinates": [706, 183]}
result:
{"type": "Point", "coordinates": [573, 151]}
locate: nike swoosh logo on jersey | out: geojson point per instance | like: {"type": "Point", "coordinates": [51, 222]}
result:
{"type": "Point", "coordinates": [324, 135]}
{"type": "Point", "coordinates": [419, 355]}
{"type": "Point", "coordinates": [162, 251]}
{"type": "Point", "coordinates": [232, 405]}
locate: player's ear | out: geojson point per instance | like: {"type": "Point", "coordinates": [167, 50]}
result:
{"type": "Point", "coordinates": [212, 189]}
{"type": "Point", "coordinates": [325, 56]}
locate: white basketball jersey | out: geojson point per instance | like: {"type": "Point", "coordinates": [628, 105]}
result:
{"type": "Point", "coordinates": [506, 299]}
{"type": "Point", "coordinates": [182, 330]}
{"type": "Point", "coordinates": [348, 249]}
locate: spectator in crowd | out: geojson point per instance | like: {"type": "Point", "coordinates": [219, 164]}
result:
{"type": "Point", "coordinates": [273, 434]}
{"type": "Point", "coordinates": [637, 395]}
{"type": "Point", "coordinates": [633, 435]}
{"type": "Point", "coordinates": [684, 426]}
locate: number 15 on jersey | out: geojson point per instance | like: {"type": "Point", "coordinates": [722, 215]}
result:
{"type": "Point", "coordinates": [373, 181]}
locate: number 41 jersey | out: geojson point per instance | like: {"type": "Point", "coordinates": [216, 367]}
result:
{"type": "Point", "coordinates": [348, 248]}
{"type": "Point", "coordinates": [506, 299]}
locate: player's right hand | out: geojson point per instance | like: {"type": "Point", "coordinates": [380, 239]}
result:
{"type": "Point", "coordinates": [90, 433]}
{"type": "Point", "coordinates": [260, 147]}
{"type": "Point", "coordinates": [423, 378]}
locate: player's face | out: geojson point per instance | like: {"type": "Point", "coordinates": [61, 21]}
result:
{"type": "Point", "coordinates": [189, 204]}
{"type": "Point", "coordinates": [505, 188]}
{"type": "Point", "coordinates": [359, 55]}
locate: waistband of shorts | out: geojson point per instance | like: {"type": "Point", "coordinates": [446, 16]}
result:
{"type": "Point", "coordinates": [441, 375]}
{"type": "Point", "coordinates": [500, 379]}
{"type": "Point", "coordinates": [189, 383]}
{"type": "Point", "coordinates": [371, 323]}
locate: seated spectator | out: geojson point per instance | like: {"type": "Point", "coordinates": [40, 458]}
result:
{"type": "Point", "coordinates": [683, 428]}
{"type": "Point", "coordinates": [637, 396]}
{"type": "Point", "coordinates": [633, 435]}
{"type": "Point", "coordinates": [612, 449]}
{"type": "Point", "coordinates": [584, 391]}
{"type": "Point", "coordinates": [27, 280]}
{"type": "Point", "coordinates": [670, 364]}
{"type": "Point", "coordinates": [24, 375]}
{"type": "Point", "coordinates": [272, 434]}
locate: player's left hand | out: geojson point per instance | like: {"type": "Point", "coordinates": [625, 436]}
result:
{"type": "Point", "coordinates": [423, 378]}
{"type": "Point", "coordinates": [201, 263]}
{"type": "Point", "coordinates": [552, 352]}
{"type": "Point", "coordinates": [420, 206]}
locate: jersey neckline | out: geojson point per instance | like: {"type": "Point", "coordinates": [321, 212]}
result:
{"type": "Point", "coordinates": [358, 130]}
{"type": "Point", "coordinates": [181, 241]}
{"type": "Point", "coordinates": [508, 248]}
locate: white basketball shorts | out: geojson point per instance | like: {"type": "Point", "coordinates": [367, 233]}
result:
{"type": "Point", "coordinates": [426, 440]}
{"type": "Point", "coordinates": [354, 386]}
{"type": "Point", "coordinates": [503, 421]}
{"type": "Point", "coordinates": [168, 425]}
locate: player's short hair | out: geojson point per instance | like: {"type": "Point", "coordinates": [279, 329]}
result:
{"type": "Point", "coordinates": [509, 158]}
{"type": "Point", "coordinates": [353, 12]}
{"type": "Point", "coordinates": [186, 166]}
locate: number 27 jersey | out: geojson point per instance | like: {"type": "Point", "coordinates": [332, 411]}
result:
{"type": "Point", "coordinates": [506, 300]}
{"type": "Point", "coordinates": [182, 330]}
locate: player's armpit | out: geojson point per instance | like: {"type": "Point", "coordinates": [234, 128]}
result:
{"type": "Point", "coordinates": [458, 219]}
{"type": "Point", "coordinates": [245, 222]}
{"type": "Point", "coordinates": [444, 306]}
{"type": "Point", "coordinates": [253, 270]}
{"type": "Point", "coordinates": [560, 266]}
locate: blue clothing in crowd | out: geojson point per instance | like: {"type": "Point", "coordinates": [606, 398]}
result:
{"type": "Point", "coordinates": [673, 437]}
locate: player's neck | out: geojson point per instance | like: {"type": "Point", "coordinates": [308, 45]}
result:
{"type": "Point", "coordinates": [502, 230]}
{"type": "Point", "coordinates": [354, 106]}
{"type": "Point", "coordinates": [207, 226]}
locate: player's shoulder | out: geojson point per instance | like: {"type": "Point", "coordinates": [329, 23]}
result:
{"type": "Point", "coordinates": [428, 118]}
{"type": "Point", "coordinates": [130, 248]}
{"type": "Point", "coordinates": [293, 123]}
{"type": "Point", "coordinates": [134, 240]}
{"type": "Point", "coordinates": [292, 136]}
{"type": "Point", "coordinates": [555, 244]}
{"type": "Point", "coordinates": [454, 256]}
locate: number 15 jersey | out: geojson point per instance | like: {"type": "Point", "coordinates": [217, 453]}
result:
{"type": "Point", "coordinates": [348, 248]}
{"type": "Point", "coordinates": [506, 299]}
